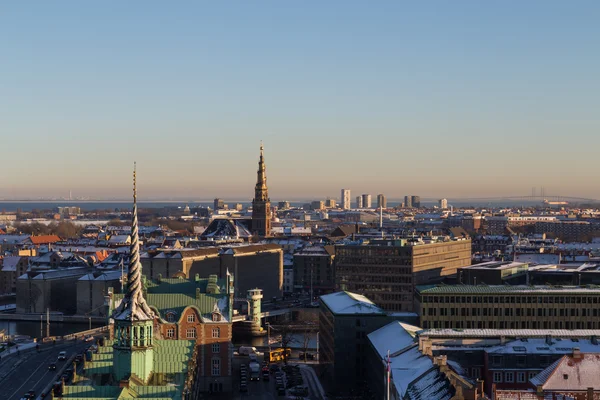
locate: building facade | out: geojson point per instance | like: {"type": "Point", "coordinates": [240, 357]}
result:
{"type": "Point", "coordinates": [359, 202]}
{"type": "Point", "coordinates": [345, 199]}
{"type": "Point", "coordinates": [386, 271]}
{"type": "Point", "coordinates": [366, 201]}
{"type": "Point", "coordinates": [381, 201]}
{"type": "Point", "coordinates": [508, 307]}
{"type": "Point", "coordinates": [314, 270]}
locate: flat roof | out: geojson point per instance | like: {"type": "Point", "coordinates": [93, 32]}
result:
{"type": "Point", "coordinates": [520, 289]}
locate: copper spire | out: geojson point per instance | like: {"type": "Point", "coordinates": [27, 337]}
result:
{"type": "Point", "coordinates": [261, 192]}
{"type": "Point", "coordinates": [133, 306]}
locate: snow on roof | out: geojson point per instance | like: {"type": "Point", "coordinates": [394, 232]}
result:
{"type": "Point", "coordinates": [408, 366]}
{"type": "Point", "coordinates": [9, 263]}
{"type": "Point", "coordinates": [541, 346]}
{"type": "Point", "coordinates": [431, 385]}
{"type": "Point", "coordinates": [350, 303]}
{"type": "Point", "coordinates": [491, 289]}
{"type": "Point", "coordinates": [393, 337]}
{"type": "Point", "coordinates": [520, 333]}
{"type": "Point", "coordinates": [572, 373]}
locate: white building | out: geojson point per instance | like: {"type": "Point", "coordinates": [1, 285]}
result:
{"type": "Point", "coordinates": [345, 199]}
{"type": "Point", "coordinates": [443, 204]}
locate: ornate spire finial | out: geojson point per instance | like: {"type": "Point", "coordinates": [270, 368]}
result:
{"type": "Point", "coordinates": [133, 306]}
{"type": "Point", "coordinates": [134, 183]}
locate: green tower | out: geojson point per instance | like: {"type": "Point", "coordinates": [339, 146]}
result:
{"type": "Point", "coordinates": [133, 319]}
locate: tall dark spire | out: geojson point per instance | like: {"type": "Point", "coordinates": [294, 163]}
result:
{"type": "Point", "coordinates": [134, 307]}
{"type": "Point", "coordinates": [261, 192]}
{"type": "Point", "coordinates": [261, 206]}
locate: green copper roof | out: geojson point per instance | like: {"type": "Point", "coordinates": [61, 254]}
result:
{"type": "Point", "coordinates": [176, 294]}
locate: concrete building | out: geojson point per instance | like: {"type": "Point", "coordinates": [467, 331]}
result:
{"type": "Point", "coordinates": [359, 202]}
{"type": "Point", "coordinates": [314, 270]}
{"type": "Point", "coordinates": [12, 267]}
{"type": "Point", "coordinates": [259, 265]}
{"type": "Point", "coordinates": [443, 203]}
{"type": "Point", "coordinates": [493, 273]}
{"type": "Point", "coordinates": [283, 205]}
{"type": "Point", "coordinates": [53, 289]}
{"type": "Point", "coordinates": [261, 204]}
{"type": "Point", "coordinates": [93, 291]}
{"type": "Point", "coordinates": [317, 205]}
{"type": "Point", "coordinates": [345, 199]}
{"type": "Point", "coordinates": [381, 201]}
{"type": "Point", "coordinates": [508, 307]}
{"type": "Point", "coordinates": [408, 202]}
{"type": "Point", "coordinates": [345, 320]}
{"type": "Point", "coordinates": [218, 204]}
{"type": "Point", "coordinates": [366, 201]}
{"type": "Point", "coordinates": [415, 201]}
{"type": "Point", "coordinates": [386, 270]}
{"type": "Point", "coordinates": [330, 203]}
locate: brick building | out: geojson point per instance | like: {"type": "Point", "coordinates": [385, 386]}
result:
{"type": "Point", "coordinates": [196, 309]}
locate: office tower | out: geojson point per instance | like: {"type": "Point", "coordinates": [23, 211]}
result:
{"type": "Point", "coordinates": [330, 203]}
{"type": "Point", "coordinates": [407, 202]}
{"type": "Point", "coordinates": [386, 271]}
{"type": "Point", "coordinates": [284, 205]}
{"type": "Point", "coordinates": [359, 202]}
{"type": "Point", "coordinates": [218, 204]}
{"type": "Point", "coordinates": [317, 205]}
{"type": "Point", "coordinates": [366, 200]}
{"type": "Point", "coordinates": [416, 201]}
{"type": "Point", "coordinates": [261, 204]}
{"type": "Point", "coordinates": [381, 201]}
{"type": "Point", "coordinates": [443, 204]}
{"type": "Point", "coordinates": [345, 199]}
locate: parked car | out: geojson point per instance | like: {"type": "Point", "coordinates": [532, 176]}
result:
{"type": "Point", "coordinates": [62, 356]}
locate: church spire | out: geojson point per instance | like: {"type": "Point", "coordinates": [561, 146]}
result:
{"type": "Point", "coordinates": [261, 206]}
{"type": "Point", "coordinates": [261, 192]}
{"type": "Point", "coordinates": [134, 307]}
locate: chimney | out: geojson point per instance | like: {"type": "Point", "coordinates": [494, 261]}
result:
{"type": "Point", "coordinates": [480, 387]}
{"type": "Point", "coordinates": [197, 278]}
{"type": "Point", "coordinates": [590, 393]}
{"type": "Point", "coordinates": [577, 353]}
{"type": "Point", "coordinates": [502, 340]}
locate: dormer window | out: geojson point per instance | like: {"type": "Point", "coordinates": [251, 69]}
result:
{"type": "Point", "coordinates": [216, 317]}
{"type": "Point", "coordinates": [170, 317]}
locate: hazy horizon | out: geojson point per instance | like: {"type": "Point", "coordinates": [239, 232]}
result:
{"type": "Point", "coordinates": [455, 100]}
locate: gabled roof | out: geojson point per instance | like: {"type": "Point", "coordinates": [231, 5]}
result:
{"type": "Point", "coordinates": [393, 338]}
{"type": "Point", "coordinates": [571, 374]}
{"type": "Point", "coordinates": [350, 303]}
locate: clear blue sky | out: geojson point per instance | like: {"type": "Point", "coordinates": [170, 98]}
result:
{"type": "Point", "coordinates": [446, 98]}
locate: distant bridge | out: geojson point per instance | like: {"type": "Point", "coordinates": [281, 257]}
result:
{"type": "Point", "coordinates": [554, 198]}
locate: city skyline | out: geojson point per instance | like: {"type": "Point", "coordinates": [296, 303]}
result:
{"type": "Point", "coordinates": [444, 100]}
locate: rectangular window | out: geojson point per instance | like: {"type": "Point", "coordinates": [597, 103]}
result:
{"type": "Point", "coordinates": [170, 332]}
{"type": "Point", "coordinates": [509, 377]}
{"type": "Point", "coordinates": [216, 367]}
{"type": "Point", "coordinates": [497, 377]}
{"type": "Point", "coordinates": [533, 374]}
{"type": "Point", "coordinates": [191, 318]}
{"type": "Point", "coordinates": [190, 333]}
{"type": "Point", "coordinates": [520, 377]}
{"type": "Point", "coordinates": [216, 332]}
{"type": "Point", "coordinates": [216, 348]}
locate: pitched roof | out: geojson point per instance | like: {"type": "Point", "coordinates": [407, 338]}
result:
{"type": "Point", "coordinates": [44, 239]}
{"type": "Point", "coordinates": [571, 373]}
{"type": "Point", "coordinates": [393, 338]}
{"type": "Point", "coordinates": [350, 303]}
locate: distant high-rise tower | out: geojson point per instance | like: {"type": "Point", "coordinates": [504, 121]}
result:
{"type": "Point", "coordinates": [366, 200]}
{"type": "Point", "coordinates": [219, 204]}
{"type": "Point", "coordinates": [345, 199]}
{"type": "Point", "coordinates": [261, 204]}
{"type": "Point", "coordinates": [407, 201]}
{"type": "Point", "coordinates": [359, 202]}
{"type": "Point", "coordinates": [416, 201]}
{"type": "Point", "coordinates": [443, 204]}
{"type": "Point", "coordinates": [381, 201]}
